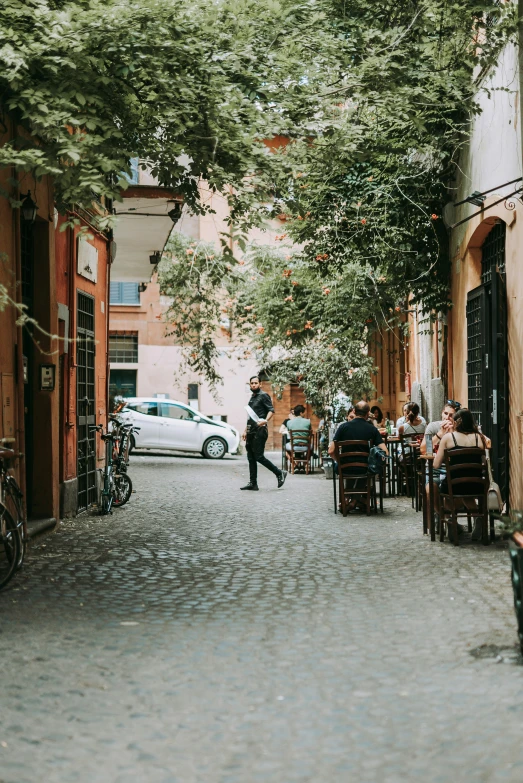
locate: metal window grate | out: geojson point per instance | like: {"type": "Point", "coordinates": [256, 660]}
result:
{"type": "Point", "coordinates": [493, 256]}
{"type": "Point", "coordinates": [123, 348]}
{"type": "Point", "coordinates": [85, 312]}
{"type": "Point", "coordinates": [86, 403]}
{"type": "Point", "coordinates": [475, 355]}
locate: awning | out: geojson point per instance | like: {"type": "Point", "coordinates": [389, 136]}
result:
{"type": "Point", "coordinates": [143, 228]}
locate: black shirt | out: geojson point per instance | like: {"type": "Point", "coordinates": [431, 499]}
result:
{"type": "Point", "coordinates": [357, 429]}
{"type": "Point", "coordinates": [261, 404]}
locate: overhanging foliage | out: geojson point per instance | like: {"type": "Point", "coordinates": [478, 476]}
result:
{"type": "Point", "coordinates": [362, 192]}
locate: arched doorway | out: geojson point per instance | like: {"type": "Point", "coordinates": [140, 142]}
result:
{"type": "Point", "coordinates": [487, 352]}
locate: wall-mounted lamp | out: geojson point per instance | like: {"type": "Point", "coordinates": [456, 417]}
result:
{"type": "Point", "coordinates": [142, 287]}
{"type": "Point", "coordinates": [156, 257]}
{"type": "Point", "coordinates": [28, 208]}
{"type": "Point", "coordinates": [176, 212]}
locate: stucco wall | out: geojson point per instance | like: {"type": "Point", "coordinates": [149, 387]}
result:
{"type": "Point", "coordinates": [159, 360]}
{"type": "Point", "coordinates": [491, 158]}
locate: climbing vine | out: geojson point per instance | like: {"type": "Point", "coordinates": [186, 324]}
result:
{"type": "Point", "coordinates": [360, 191]}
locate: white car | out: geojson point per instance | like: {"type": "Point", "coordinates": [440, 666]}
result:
{"type": "Point", "coordinates": [168, 424]}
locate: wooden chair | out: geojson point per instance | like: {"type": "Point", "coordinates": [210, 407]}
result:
{"type": "Point", "coordinates": [353, 455]}
{"type": "Point", "coordinates": [407, 464]}
{"type": "Point", "coordinates": [464, 467]}
{"type": "Point", "coordinates": [421, 500]}
{"type": "Point", "coordinates": [297, 457]}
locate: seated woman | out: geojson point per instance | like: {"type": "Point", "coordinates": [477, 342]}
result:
{"type": "Point", "coordinates": [465, 435]}
{"type": "Point", "coordinates": [299, 422]}
{"type": "Point", "coordinates": [403, 419]}
{"type": "Point", "coordinates": [415, 425]}
{"type": "Point", "coordinates": [378, 419]}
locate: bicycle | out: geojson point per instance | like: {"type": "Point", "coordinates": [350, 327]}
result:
{"type": "Point", "coordinates": [108, 483]}
{"type": "Point", "coordinates": [117, 486]}
{"type": "Point", "coordinates": [122, 481]}
{"type": "Point", "coordinates": [13, 523]}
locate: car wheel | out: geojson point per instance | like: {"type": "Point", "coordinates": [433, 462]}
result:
{"type": "Point", "coordinates": [214, 448]}
{"type": "Point", "coordinates": [132, 445]}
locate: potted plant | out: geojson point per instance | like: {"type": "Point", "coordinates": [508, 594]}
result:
{"type": "Point", "coordinates": [512, 526]}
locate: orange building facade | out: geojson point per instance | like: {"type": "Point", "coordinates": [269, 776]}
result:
{"type": "Point", "coordinates": [53, 346]}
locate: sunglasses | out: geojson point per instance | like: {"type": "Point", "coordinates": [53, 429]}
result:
{"type": "Point", "coordinates": [454, 404]}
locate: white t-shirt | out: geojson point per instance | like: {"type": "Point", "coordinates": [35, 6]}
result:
{"type": "Point", "coordinates": [402, 421]}
{"type": "Point", "coordinates": [414, 429]}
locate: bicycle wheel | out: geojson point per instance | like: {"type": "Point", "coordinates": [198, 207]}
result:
{"type": "Point", "coordinates": [13, 501]}
{"type": "Point", "coordinates": [122, 489]}
{"type": "Point", "coordinates": [107, 502]}
{"type": "Point", "coordinates": [9, 546]}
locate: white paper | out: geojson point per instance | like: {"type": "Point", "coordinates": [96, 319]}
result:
{"type": "Point", "coordinates": [252, 415]}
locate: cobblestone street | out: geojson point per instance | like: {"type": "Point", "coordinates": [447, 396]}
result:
{"type": "Point", "coordinates": [202, 634]}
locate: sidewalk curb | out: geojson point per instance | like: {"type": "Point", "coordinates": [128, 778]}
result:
{"type": "Point", "coordinates": [37, 526]}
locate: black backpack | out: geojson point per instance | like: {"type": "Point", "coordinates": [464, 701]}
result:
{"type": "Point", "coordinates": [377, 459]}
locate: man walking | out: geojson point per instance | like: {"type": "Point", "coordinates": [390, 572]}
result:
{"type": "Point", "coordinates": [260, 410]}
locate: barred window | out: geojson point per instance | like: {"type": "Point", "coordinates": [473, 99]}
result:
{"type": "Point", "coordinates": [123, 348]}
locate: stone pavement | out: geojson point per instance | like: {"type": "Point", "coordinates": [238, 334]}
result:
{"type": "Point", "coordinates": [207, 635]}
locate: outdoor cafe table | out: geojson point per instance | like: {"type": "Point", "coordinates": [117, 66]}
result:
{"type": "Point", "coordinates": [430, 462]}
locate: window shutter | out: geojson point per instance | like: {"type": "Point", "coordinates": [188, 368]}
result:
{"type": "Point", "coordinates": [124, 294]}
{"type": "Point", "coordinates": [130, 293]}
{"type": "Point", "coordinates": [114, 293]}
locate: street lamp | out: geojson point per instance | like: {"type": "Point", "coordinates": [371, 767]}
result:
{"type": "Point", "coordinates": [29, 208]}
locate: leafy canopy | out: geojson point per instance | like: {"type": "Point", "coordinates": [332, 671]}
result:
{"type": "Point", "coordinates": [373, 99]}
{"type": "Point", "coordinates": [191, 88]}
{"type": "Point", "coordinates": [362, 183]}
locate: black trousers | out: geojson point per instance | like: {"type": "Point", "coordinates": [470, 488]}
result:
{"type": "Point", "coordinates": [255, 445]}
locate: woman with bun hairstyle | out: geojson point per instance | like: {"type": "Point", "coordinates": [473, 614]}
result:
{"type": "Point", "coordinates": [414, 425]}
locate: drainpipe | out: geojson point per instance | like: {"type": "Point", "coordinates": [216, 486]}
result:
{"type": "Point", "coordinates": [107, 315]}
{"type": "Point", "coordinates": [520, 53]}
{"type": "Point", "coordinates": [17, 296]}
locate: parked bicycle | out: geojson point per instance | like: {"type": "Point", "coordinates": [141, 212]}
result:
{"type": "Point", "coordinates": [123, 483]}
{"type": "Point", "coordinates": [117, 485]}
{"type": "Point", "coordinates": [13, 522]}
{"type": "Point", "coordinates": [123, 431]}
